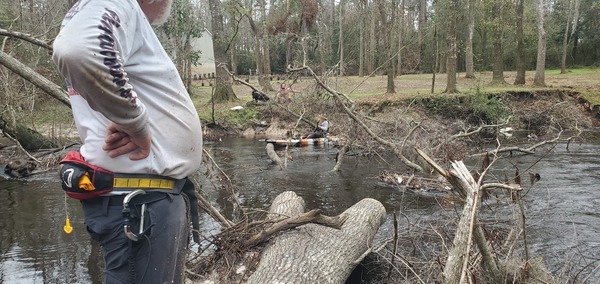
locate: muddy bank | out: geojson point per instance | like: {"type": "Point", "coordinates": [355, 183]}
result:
{"type": "Point", "coordinates": [536, 113]}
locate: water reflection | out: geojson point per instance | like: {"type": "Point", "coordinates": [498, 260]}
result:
{"type": "Point", "coordinates": [34, 248]}
{"type": "Point", "coordinates": [563, 209]}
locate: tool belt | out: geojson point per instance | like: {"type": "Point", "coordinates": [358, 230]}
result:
{"type": "Point", "coordinates": [82, 180]}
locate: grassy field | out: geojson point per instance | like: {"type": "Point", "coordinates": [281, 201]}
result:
{"type": "Point", "coordinates": [584, 80]}
{"type": "Point", "coordinates": [372, 89]}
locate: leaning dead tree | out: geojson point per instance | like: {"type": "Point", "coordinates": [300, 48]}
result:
{"type": "Point", "coordinates": [27, 138]}
{"type": "Point", "coordinates": [469, 231]}
{"type": "Point", "coordinates": [29, 74]}
{"type": "Point", "coordinates": [467, 228]}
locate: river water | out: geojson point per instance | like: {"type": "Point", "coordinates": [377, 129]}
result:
{"type": "Point", "coordinates": [563, 208]}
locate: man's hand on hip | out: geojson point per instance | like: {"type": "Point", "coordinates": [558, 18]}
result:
{"type": "Point", "coordinates": [118, 143]}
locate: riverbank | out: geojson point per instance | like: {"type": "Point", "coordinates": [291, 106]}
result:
{"type": "Point", "coordinates": [569, 102]}
{"type": "Point", "coordinates": [571, 98]}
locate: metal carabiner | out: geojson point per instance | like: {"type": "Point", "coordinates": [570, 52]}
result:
{"type": "Point", "coordinates": [126, 213]}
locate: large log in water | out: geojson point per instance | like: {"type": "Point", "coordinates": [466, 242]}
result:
{"type": "Point", "coordinates": [314, 253]}
{"type": "Point", "coordinates": [29, 139]}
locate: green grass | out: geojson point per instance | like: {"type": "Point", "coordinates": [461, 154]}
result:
{"type": "Point", "coordinates": [592, 96]}
{"type": "Point", "coordinates": [575, 71]}
{"type": "Point", "coordinates": [373, 89]}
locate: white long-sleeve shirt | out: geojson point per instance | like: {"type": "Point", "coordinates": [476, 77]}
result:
{"type": "Point", "coordinates": [324, 125]}
{"type": "Point", "coordinates": [117, 70]}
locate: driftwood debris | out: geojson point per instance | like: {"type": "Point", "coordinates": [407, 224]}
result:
{"type": "Point", "coordinates": [313, 253]}
{"type": "Point", "coordinates": [468, 228]}
{"type": "Point", "coordinates": [20, 168]}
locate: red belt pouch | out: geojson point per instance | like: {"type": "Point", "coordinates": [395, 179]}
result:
{"type": "Point", "coordinates": [75, 173]}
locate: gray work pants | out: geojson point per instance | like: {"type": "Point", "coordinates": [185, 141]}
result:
{"type": "Point", "coordinates": [159, 255]}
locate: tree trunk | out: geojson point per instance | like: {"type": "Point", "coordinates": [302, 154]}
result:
{"type": "Point", "coordinates": [422, 6]}
{"type": "Point", "coordinates": [520, 79]}
{"type": "Point", "coordinates": [223, 90]}
{"type": "Point", "coordinates": [469, 47]}
{"type": "Point", "coordinates": [234, 61]}
{"type": "Point", "coordinates": [573, 39]}
{"type": "Point", "coordinates": [314, 253]}
{"type": "Point", "coordinates": [498, 56]}
{"type": "Point", "coordinates": [436, 59]}
{"type": "Point", "coordinates": [451, 47]}
{"type": "Point", "coordinates": [322, 41]}
{"type": "Point", "coordinates": [324, 35]}
{"type": "Point", "coordinates": [361, 38]}
{"type": "Point", "coordinates": [485, 58]}
{"type": "Point", "coordinates": [388, 43]}
{"type": "Point", "coordinates": [454, 264]}
{"type": "Point", "coordinates": [188, 64]}
{"type": "Point", "coordinates": [401, 25]}
{"type": "Point", "coordinates": [467, 228]}
{"type": "Point", "coordinates": [540, 67]}
{"type": "Point", "coordinates": [372, 45]}
{"type": "Point", "coordinates": [341, 39]}
{"type": "Point", "coordinates": [303, 42]}
{"type": "Point", "coordinates": [257, 51]}
{"type": "Point", "coordinates": [392, 38]}
{"type": "Point", "coordinates": [266, 54]}
{"type": "Point", "coordinates": [575, 47]}
{"type": "Point", "coordinates": [574, 12]}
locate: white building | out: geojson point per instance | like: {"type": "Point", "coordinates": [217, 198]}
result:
{"type": "Point", "coordinates": [206, 67]}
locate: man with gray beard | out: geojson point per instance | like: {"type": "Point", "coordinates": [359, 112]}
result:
{"type": "Point", "coordinates": [141, 138]}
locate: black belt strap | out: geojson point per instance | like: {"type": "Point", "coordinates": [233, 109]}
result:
{"type": "Point", "coordinates": [190, 191]}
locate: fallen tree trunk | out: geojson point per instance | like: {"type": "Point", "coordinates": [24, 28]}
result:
{"type": "Point", "coordinates": [35, 78]}
{"type": "Point", "coordinates": [28, 138]}
{"type": "Point", "coordinates": [313, 253]}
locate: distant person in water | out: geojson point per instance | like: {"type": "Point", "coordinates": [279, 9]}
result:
{"type": "Point", "coordinates": [321, 129]}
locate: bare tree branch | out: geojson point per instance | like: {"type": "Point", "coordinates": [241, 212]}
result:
{"type": "Point", "coordinates": [530, 149]}
{"type": "Point", "coordinates": [21, 147]}
{"type": "Point", "coordinates": [26, 37]}
{"type": "Point", "coordinates": [348, 110]}
{"type": "Point", "coordinates": [313, 216]}
{"type": "Point", "coordinates": [472, 132]}
{"type": "Point", "coordinates": [35, 78]}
